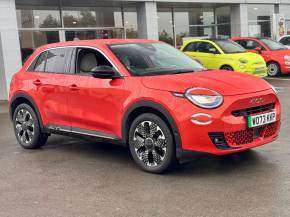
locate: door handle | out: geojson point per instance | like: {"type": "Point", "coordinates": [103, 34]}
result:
{"type": "Point", "coordinates": [37, 82]}
{"type": "Point", "coordinates": [74, 87]}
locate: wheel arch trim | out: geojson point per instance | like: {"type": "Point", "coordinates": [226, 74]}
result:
{"type": "Point", "coordinates": [226, 64]}
{"type": "Point", "coordinates": [28, 98]}
{"type": "Point", "coordinates": [160, 109]}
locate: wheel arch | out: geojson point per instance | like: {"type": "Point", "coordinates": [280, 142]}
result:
{"type": "Point", "coordinates": [150, 107]}
{"type": "Point", "coordinates": [226, 64]}
{"type": "Point", "coordinates": [274, 61]}
{"type": "Point", "coordinates": [20, 98]}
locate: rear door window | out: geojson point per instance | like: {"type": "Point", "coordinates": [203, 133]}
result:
{"type": "Point", "coordinates": [250, 44]}
{"type": "Point", "coordinates": [58, 60]}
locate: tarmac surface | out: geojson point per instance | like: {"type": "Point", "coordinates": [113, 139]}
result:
{"type": "Point", "coordinates": [75, 178]}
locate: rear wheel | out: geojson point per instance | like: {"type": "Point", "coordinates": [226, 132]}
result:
{"type": "Point", "coordinates": [27, 128]}
{"type": "Point", "coordinates": [228, 68]}
{"type": "Point", "coordinates": [273, 69]}
{"type": "Point", "coordinates": [151, 144]}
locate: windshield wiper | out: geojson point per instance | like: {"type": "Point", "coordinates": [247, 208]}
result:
{"type": "Point", "coordinates": [189, 71]}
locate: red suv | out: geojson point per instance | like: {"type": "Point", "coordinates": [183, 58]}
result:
{"type": "Point", "coordinates": [143, 94]}
{"type": "Point", "coordinates": [276, 55]}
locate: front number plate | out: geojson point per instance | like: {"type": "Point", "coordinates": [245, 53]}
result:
{"type": "Point", "coordinates": [260, 120]}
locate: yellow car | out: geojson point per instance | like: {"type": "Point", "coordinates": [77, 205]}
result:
{"type": "Point", "coordinates": [225, 54]}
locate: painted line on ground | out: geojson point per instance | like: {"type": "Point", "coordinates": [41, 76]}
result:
{"type": "Point", "coordinates": [278, 79]}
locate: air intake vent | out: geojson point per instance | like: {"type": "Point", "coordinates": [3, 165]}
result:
{"type": "Point", "coordinates": [253, 110]}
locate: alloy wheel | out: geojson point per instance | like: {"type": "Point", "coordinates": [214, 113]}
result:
{"type": "Point", "coordinates": [273, 69]}
{"type": "Point", "coordinates": [149, 144]}
{"type": "Point", "coordinates": [24, 125]}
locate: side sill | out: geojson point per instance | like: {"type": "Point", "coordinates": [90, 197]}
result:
{"type": "Point", "coordinates": [83, 134]}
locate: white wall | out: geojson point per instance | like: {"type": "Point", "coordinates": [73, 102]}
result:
{"type": "Point", "coordinates": [10, 57]}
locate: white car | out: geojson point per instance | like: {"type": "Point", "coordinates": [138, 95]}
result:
{"type": "Point", "coordinates": [285, 40]}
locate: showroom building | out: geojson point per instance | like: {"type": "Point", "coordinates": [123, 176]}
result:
{"type": "Point", "coordinates": [28, 24]}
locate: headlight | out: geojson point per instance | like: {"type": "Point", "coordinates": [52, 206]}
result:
{"type": "Point", "coordinates": [243, 61]}
{"type": "Point", "coordinates": [287, 58]}
{"type": "Point", "coordinates": [204, 98]}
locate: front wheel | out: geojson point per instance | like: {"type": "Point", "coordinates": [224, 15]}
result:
{"type": "Point", "coordinates": [273, 69]}
{"type": "Point", "coordinates": [151, 144]}
{"type": "Point", "coordinates": [27, 128]}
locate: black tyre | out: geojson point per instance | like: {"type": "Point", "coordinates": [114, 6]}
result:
{"type": "Point", "coordinates": [27, 128]}
{"type": "Point", "coordinates": [228, 68]}
{"type": "Point", "coordinates": [273, 69]}
{"type": "Point", "coordinates": [151, 144]}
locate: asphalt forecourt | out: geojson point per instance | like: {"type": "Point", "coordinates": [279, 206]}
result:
{"type": "Point", "coordinates": [71, 177]}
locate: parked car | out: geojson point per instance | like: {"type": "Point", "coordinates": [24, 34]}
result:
{"type": "Point", "coordinates": [285, 40]}
{"type": "Point", "coordinates": [143, 94]}
{"type": "Point", "coordinates": [225, 54]}
{"type": "Point", "coordinates": [276, 55]}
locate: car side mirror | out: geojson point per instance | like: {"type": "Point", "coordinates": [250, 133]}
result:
{"type": "Point", "coordinates": [258, 50]}
{"type": "Point", "coordinates": [105, 72]}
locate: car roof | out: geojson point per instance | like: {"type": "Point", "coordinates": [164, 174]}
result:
{"type": "Point", "coordinates": [285, 36]}
{"type": "Point", "coordinates": [97, 42]}
{"type": "Point", "coordinates": [214, 40]}
{"type": "Point", "coordinates": [255, 38]}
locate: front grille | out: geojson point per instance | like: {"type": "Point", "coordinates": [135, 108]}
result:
{"type": "Point", "coordinates": [247, 136]}
{"type": "Point", "coordinates": [271, 129]}
{"type": "Point", "coordinates": [253, 110]}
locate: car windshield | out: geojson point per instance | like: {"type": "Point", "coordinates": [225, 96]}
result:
{"type": "Point", "coordinates": [142, 59]}
{"type": "Point", "coordinates": [273, 45]}
{"type": "Point", "coordinates": [230, 47]}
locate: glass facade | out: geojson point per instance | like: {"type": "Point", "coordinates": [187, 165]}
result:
{"type": "Point", "coordinates": [92, 17]}
{"type": "Point", "coordinates": [165, 25]}
{"type": "Point", "coordinates": [44, 17]}
{"type": "Point", "coordinates": [284, 11]}
{"type": "Point", "coordinates": [130, 22]}
{"type": "Point", "coordinates": [260, 17]}
{"type": "Point", "coordinates": [51, 21]}
{"type": "Point", "coordinates": [223, 21]}
{"type": "Point", "coordinates": [176, 23]}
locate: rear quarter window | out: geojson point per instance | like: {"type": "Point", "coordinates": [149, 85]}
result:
{"type": "Point", "coordinates": [40, 63]}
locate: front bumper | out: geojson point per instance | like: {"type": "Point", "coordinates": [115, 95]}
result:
{"type": "Point", "coordinates": [197, 138]}
{"type": "Point", "coordinates": [285, 68]}
{"type": "Point", "coordinates": [257, 70]}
